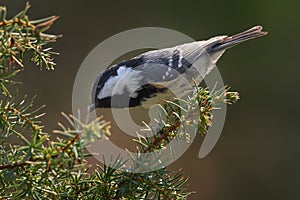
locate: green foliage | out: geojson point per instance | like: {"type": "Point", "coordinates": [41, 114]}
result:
{"type": "Point", "coordinates": [38, 167]}
{"type": "Point", "coordinates": [23, 41]}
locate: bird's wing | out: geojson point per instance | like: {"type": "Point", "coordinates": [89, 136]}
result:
{"type": "Point", "coordinates": [167, 65]}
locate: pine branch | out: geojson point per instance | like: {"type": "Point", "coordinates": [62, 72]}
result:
{"type": "Point", "coordinates": [201, 102]}
{"type": "Point", "coordinates": [18, 117]}
{"type": "Point", "coordinates": [21, 38]}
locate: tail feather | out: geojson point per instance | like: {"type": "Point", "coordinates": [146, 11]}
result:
{"type": "Point", "coordinates": [231, 41]}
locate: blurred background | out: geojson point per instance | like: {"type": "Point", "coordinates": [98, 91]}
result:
{"type": "Point", "coordinates": [257, 155]}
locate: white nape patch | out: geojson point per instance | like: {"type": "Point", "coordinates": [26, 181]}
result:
{"type": "Point", "coordinates": [180, 58]}
{"type": "Point", "coordinates": [170, 62]}
{"type": "Point", "coordinates": [126, 80]}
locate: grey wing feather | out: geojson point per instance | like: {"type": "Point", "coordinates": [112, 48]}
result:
{"type": "Point", "coordinates": [164, 66]}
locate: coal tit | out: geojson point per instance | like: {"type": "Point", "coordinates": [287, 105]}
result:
{"type": "Point", "coordinates": [155, 76]}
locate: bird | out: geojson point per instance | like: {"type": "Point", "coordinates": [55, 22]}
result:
{"type": "Point", "coordinates": [158, 75]}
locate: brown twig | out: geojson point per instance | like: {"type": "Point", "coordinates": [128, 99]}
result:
{"type": "Point", "coordinates": [24, 117]}
{"type": "Point", "coordinates": [31, 161]}
{"type": "Point", "coordinates": [28, 162]}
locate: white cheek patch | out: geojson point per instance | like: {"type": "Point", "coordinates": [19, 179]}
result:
{"type": "Point", "coordinates": [126, 80]}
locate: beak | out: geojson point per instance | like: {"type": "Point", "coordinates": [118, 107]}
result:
{"type": "Point", "coordinates": [231, 41]}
